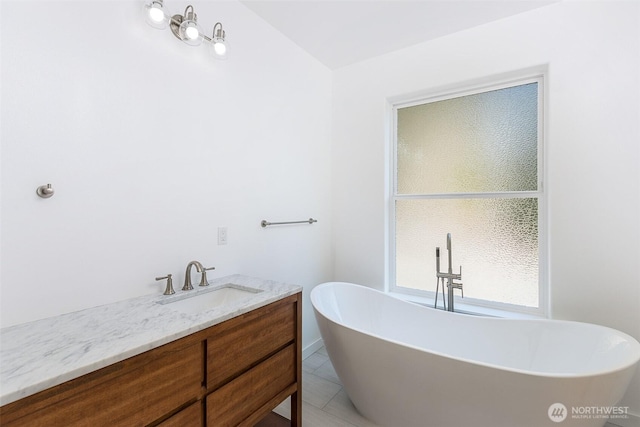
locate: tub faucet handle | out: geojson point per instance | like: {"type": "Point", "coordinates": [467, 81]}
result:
{"type": "Point", "coordinates": [169, 289]}
{"type": "Point", "coordinates": [456, 285]}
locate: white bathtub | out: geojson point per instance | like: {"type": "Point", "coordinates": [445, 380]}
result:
{"type": "Point", "coordinates": [406, 365]}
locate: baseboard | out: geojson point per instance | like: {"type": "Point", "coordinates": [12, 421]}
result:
{"type": "Point", "coordinates": [312, 348]}
{"type": "Point", "coordinates": [632, 420]}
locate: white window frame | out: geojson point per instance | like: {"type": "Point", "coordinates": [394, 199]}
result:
{"type": "Point", "coordinates": [470, 305]}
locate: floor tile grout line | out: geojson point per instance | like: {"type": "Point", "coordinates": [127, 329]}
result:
{"type": "Point", "coordinates": [329, 401]}
{"type": "Point", "coordinates": [323, 410]}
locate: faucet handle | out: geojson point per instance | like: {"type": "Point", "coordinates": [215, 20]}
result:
{"type": "Point", "coordinates": [169, 289]}
{"type": "Point", "coordinates": [203, 280]}
{"type": "Point", "coordinates": [458, 286]}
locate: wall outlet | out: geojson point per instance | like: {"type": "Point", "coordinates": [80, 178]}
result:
{"type": "Point", "coordinates": [222, 235]}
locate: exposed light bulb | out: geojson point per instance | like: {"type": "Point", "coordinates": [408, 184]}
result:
{"type": "Point", "coordinates": [220, 48]}
{"type": "Point", "coordinates": [191, 32]}
{"type": "Point", "coordinates": [156, 14]}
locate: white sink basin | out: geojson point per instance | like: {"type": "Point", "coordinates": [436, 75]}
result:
{"type": "Point", "coordinates": [206, 300]}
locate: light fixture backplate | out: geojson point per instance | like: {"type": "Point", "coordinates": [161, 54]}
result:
{"type": "Point", "coordinates": [176, 20]}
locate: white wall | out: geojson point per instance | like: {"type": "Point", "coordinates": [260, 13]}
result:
{"type": "Point", "coordinates": [150, 146]}
{"type": "Point", "coordinates": [592, 50]}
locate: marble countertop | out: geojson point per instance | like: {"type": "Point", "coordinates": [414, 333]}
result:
{"type": "Point", "coordinates": [38, 355]}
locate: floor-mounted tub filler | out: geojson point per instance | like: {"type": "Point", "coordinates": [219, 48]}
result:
{"type": "Point", "coordinates": [407, 365]}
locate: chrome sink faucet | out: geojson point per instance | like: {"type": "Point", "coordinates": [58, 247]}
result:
{"type": "Point", "coordinates": [450, 276]}
{"type": "Point", "coordinates": [200, 269]}
{"type": "Point", "coordinates": [187, 276]}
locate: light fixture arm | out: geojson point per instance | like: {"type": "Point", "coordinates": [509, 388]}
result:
{"type": "Point", "coordinates": [190, 14]}
{"type": "Point", "coordinates": [218, 31]}
{"type": "Point", "coordinates": [220, 34]}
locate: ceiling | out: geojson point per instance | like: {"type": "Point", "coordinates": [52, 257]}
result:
{"type": "Point", "coordinates": [342, 32]}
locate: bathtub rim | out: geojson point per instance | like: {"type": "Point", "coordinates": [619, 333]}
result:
{"type": "Point", "coordinates": [633, 342]}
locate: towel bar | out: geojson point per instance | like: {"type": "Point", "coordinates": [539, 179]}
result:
{"type": "Point", "coordinates": [265, 223]}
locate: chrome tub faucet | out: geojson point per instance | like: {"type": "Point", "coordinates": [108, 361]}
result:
{"type": "Point", "coordinates": [450, 276]}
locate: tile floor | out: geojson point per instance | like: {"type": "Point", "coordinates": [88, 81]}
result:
{"type": "Point", "coordinates": [324, 401]}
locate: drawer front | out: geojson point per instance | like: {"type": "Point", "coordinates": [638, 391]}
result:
{"type": "Point", "coordinates": [242, 397]}
{"type": "Point", "coordinates": [146, 388]}
{"type": "Point", "coordinates": [240, 343]}
{"type": "Point", "coordinates": [190, 416]}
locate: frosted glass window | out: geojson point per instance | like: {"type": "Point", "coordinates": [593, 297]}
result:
{"type": "Point", "coordinates": [495, 240]}
{"type": "Point", "coordinates": [470, 165]}
{"type": "Point", "coordinates": [475, 143]}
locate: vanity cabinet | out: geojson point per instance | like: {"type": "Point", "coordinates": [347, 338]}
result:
{"type": "Point", "coordinates": [231, 374]}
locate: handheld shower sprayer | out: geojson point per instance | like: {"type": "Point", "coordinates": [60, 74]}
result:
{"type": "Point", "coordinates": [449, 251]}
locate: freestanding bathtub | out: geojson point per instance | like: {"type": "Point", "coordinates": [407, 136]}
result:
{"type": "Point", "coordinates": [406, 365]}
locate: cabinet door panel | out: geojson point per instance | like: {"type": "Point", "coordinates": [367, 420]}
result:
{"type": "Point", "coordinates": [240, 343]}
{"type": "Point", "coordinates": [242, 397]}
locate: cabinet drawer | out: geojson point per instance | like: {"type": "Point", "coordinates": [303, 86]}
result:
{"type": "Point", "coordinates": [133, 392]}
{"type": "Point", "coordinates": [190, 416]}
{"type": "Point", "coordinates": [240, 343]}
{"type": "Point", "coordinates": [244, 396]}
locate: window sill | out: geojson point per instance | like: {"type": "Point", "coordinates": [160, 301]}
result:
{"type": "Point", "coordinates": [467, 308]}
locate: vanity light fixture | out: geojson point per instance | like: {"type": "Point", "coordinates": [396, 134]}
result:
{"type": "Point", "coordinates": [156, 14]}
{"type": "Point", "coordinates": [218, 43]}
{"type": "Point", "coordinates": [186, 28]}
